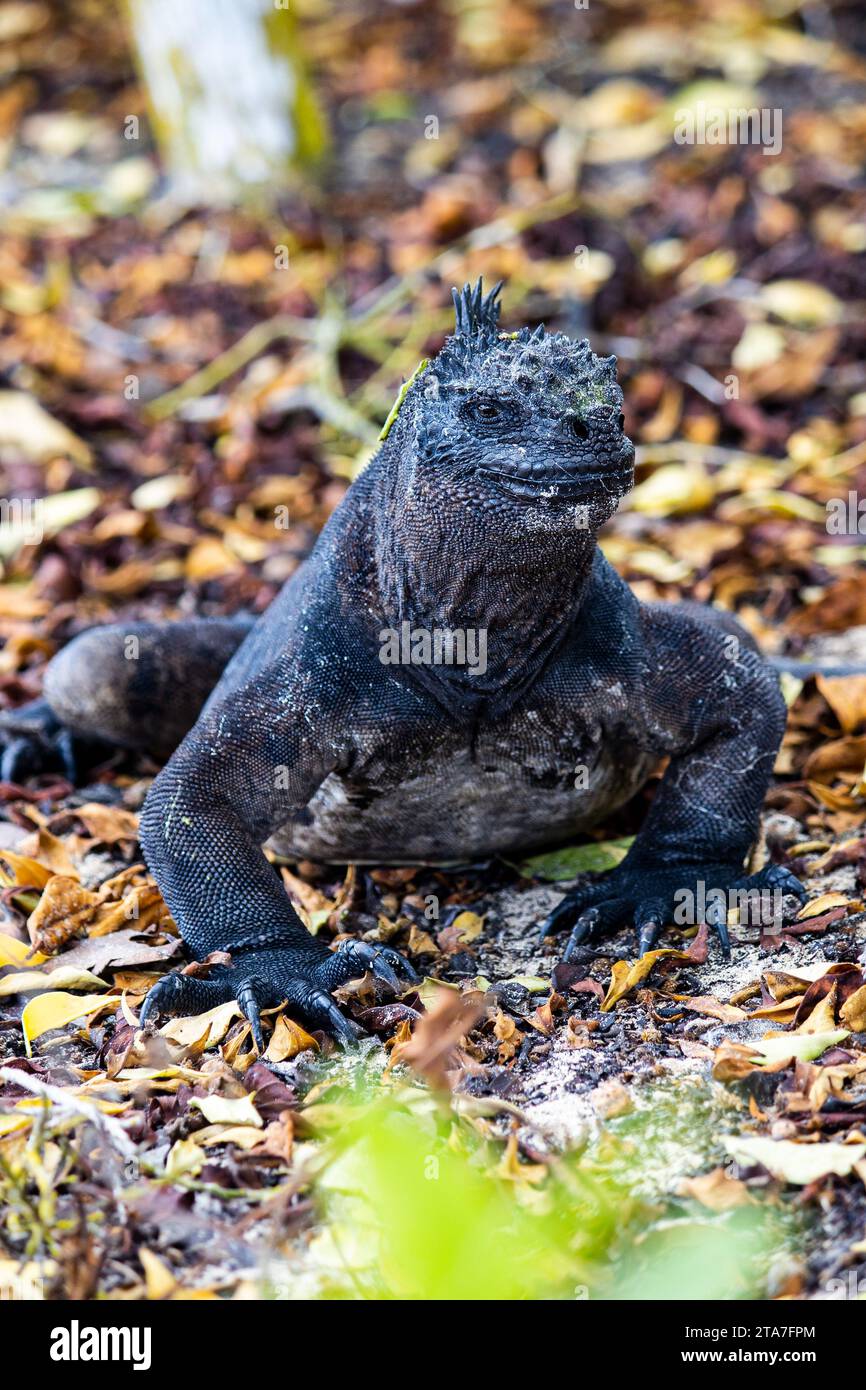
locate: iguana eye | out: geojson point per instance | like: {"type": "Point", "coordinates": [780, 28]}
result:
{"type": "Point", "coordinates": [486, 411]}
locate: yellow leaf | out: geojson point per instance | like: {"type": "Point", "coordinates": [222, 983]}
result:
{"type": "Point", "coordinates": [822, 1019]}
{"type": "Point", "coordinates": [714, 1008]}
{"type": "Point", "coordinates": [801, 302]}
{"type": "Point", "coordinates": [716, 1190]}
{"type": "Point", "coordinates": [25, 872]}
{"type": "Point", "coordinates": [761, 345]}
{"type": "Point", "coordinates": [214, 1022]}
{"type": "Point", "coordinates": [421, 942]}
{"type": "Point", "coordinates": [210, 559]}
{"type": "Point", "coordinates": [626, 975]}
{"type": "Point", "coordinates": [853, 1011]}
{"type": "Point", "coordinates": [184, 1157]}
{"type": "Point", "coordinates": [14, 952]}
{"type": "Point", "coordinates": [245, 1136]}
{"type": "Point", "coordinates": [468, 924]}
{"type": "Point", "coordinates": [56, 1010]}
{"type": "Point", "coordinates": [52, 853]}
{"type": "Point", "coordinates": [64, 977]}
{"type": "Point", "coordinates": [781, 1012]}
{"type": "Point", "coordinates": [674, 488]}
{"type": "Point", "coordinates": [793, 1162]}
{"type": "Point", "coordinates": [822, 904]}
{"type": "Point", "coordinates": [846, 696]}
{"type": "Point", "coordinates": [158, 493]}
{"type": "Point", "coordinates": [10, 1124]}
{"type": "Point", "coordinates": [159, 1282]}
{"type": "Point", "coordinates": [225, 1110]}
{"type": "Point", "coordinates": [287, 1040]}
{"type": "Point", "coordinates": [29, 430]}
{"type": "Point", "coordinates": [510, 1167]}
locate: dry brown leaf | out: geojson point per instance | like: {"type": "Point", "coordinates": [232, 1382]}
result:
{"type": "Point", "coordinates": [64, 911]}
{"type": "Point", "coordinates": [287, 1040]}
{"type": "Point", "coordinates": [109, 825]}
{"type": "Point", "coordinates": [822, 1018]}
{"type": "Point", "coordinates": [421, 942]}
{"type": "Point", "coordinates": [625, 975]}
{"type": "Point", "coordinates": [824, 903]}
{"type": "Point", "coordinates": [846, 696]}
{"type": "Point", "coordinates": [853, 1012]}
{"type": "Point", "coordinates": [432, 1049]}
{"type": "Point", "coordinates": [51, 852]}
{"type": "Point", "coordinates": [714, 1008]}
{"type": "Point", "coordinates": [716, 1190]}
{"type": "Point", "coordinates": [509, 1035]}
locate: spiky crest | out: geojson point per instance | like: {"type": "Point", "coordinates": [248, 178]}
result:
{"type": "Point", "coordinates": [476, 314]}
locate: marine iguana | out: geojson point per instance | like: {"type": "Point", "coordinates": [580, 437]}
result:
{"type": "Point", "coordinates": [329, 729]}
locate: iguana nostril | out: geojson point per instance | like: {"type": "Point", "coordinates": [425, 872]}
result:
{"type": "Point", "coordinates": [578, 427]}
{"type": "Point", "coordinates": [620, 420]}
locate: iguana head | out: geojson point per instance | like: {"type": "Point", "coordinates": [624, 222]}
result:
{"type": "Point", "coordinates": [531, 418]}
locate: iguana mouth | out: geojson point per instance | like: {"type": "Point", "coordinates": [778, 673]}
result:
{"type": "Point", "coordinates": [556, 484]}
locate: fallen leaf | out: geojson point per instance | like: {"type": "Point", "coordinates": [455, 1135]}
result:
{"type": "Point", "coordinates": [801, 302]}
{"type": "Point", "coordinates": [64, 977]}
{"type": "Point", "coordinates": [853, 1011]}
{"type": "Point", "coordinates": [846, 696]}
{"type": "Point", "coordinates": [184, 1158]}
{"type": "Point", "coordinates": [625, 975]}
{"type": "Point", "coordinates": [109, 825]}
{"type": "Point", "coordinates": [714, 1008]}
{"type": "Point", "coordinates": [159, 1282]}
{"type": "Point", "coordinates": [15, 952]}
{"type": "Point", "coordinates": [27, 429]}
{"type": "Point", "coordinates": [19, 869]}
{"type": "Point", "coordinates": [468, 925]}
{"type": "Point", "coordinates": [822, 1018]}
{"type": "Point", "coordinates": [795, 1163]}
{"type": "Point", "coordinates": [805, 1047]}
{"type": "Point", "coordinates": [213, 1025]}
{"type": "Point", "coordinates": [611, 1098]}
{"type": "Point", "coordinates": [559, 864]}
{"type": "Point", "coordinates": [421, 942]}
{"type": "Point", "coordinates": [62, 913]}
{"type": "Point", "coordinates": [120, 951]}
{"type": "Point", "coordinates": [716, 1190]}
{"type": "Point", "coordinates": [287, 1040]}
{"type": "Point", "coordinates": [56, 1009]}
{"type": "Point", "coordinates": [432, 1048]}
{"type": "Point", "coordinates": [229, 1110]}
{"type": "Point", "coordinates": [533, 984]}
{"type": "Point", "coordinates": [821, 904]}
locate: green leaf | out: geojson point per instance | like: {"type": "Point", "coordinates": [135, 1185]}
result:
{"type": "Point", "coordinates": [533, 983]}
{"type": "Point", "coordinates": [804, 1046]}
{"type": "Point", "coordinates": [571, 860]}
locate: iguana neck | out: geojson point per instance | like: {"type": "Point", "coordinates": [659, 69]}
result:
{"type": "Point", "coordinates": [469, 562]}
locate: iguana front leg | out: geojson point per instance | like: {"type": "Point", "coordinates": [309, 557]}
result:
{"type": "Point", "coordinates": [236, 778]}
{"type": "Point", "coordinates": [721, 715]}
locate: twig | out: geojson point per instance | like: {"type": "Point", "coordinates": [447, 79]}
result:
{"type": "Point", "coordinates": [227, 363]}
{"type": "Point", "coordinates": [71, 1105]}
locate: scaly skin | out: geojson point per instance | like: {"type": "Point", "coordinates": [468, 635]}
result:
{"type": "Point", "coordinates": [479, 512]}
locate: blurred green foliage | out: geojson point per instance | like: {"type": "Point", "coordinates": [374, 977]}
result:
{"type": "Point", "coordinates": [418, 1202]}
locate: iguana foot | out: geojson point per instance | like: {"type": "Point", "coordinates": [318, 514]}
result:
{"type": "Point", "coordinates": [265, 976]}
{"type": "Point", "coordinates": [33, 741]}
{"type": "Point", "coordinates": [649, 898]}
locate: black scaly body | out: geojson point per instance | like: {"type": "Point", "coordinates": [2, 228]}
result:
{"type": "Point", "coordinates": [479, 513]}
